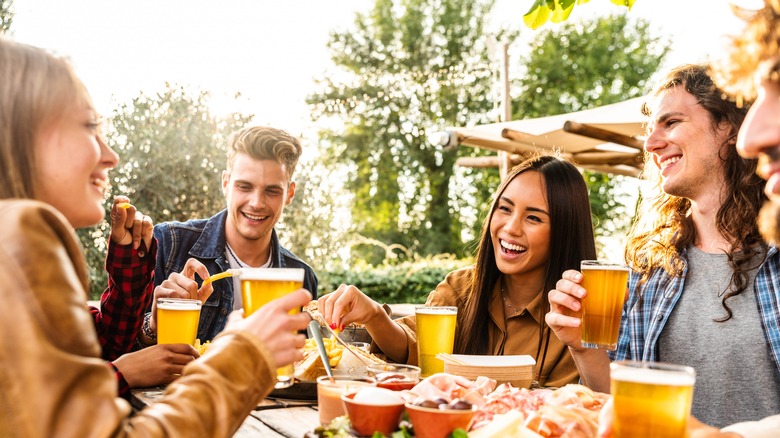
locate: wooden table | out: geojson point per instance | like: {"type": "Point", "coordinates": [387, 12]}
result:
{"type": "Point", "coordinates": [272, 418]}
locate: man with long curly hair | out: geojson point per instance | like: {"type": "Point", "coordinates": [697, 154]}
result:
{"type": "Point", "coordinates": [702, 291]}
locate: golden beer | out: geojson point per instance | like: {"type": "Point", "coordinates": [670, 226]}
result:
{"type": "Point", "coordinates": [262, 285]}
{"type": "Point", "coordinates": [652, 400]}
{"type": "Point", "coordinates": [601, 308]}
{"type": "Point", "coordinates": [177, 320]}
{"type": "Point", "coordinates": [435, 334]}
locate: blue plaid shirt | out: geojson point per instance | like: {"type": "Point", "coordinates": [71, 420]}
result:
{"type": "Point", "coordinates": [643, 320]}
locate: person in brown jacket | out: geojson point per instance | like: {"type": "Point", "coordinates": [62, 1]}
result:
{"type": "Point", "coordinates": [539, 225]}
{"type": "Point", "coordinates": [53, 174]}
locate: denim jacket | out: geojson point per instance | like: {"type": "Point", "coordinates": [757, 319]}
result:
{"type": "Point", "coordinates": [204, 239]}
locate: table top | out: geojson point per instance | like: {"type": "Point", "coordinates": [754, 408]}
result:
{"type": "Point", "coordinates": [272, 418]}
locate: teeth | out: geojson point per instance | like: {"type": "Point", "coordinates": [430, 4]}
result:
{"type": "Point", "coordinates": [669, 161]}
{"type": "Point", "coordinates": [512, 247]}
{"type": "Point", "coordinates": [255, 218]}
{"type": "Point", "coordinates": [99, 182]}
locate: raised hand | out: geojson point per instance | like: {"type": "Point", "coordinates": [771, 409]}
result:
{"type": "Point", "coordinates": [346, 305]}
{"type": "Point", "coordinates": [182, 285]}
{"type": "Point", "coordinates": [565, 309]}
{"type": "Point", "coordinates": [129, 225]}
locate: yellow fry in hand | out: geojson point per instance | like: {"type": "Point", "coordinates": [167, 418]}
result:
{"type": "Point", "coordinates": [124, 205]}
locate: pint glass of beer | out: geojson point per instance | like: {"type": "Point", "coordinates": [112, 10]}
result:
{"type": "Point", "coordinates": [261, 285]}
{"type": "Point", "coordinates": [652, 399]}
{"type": "Point", "coordinates": [435, 334]}
{"type": "Point", "coordinates": [177, 320]}
{"type": "Point", "coordinates": [606, 285]}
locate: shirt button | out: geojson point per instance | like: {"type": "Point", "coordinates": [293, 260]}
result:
{"type": "Point", "coordinates": [223, 311]}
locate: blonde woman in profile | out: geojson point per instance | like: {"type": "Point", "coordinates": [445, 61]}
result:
{"type": "Point", "coordinates": [53, 174]}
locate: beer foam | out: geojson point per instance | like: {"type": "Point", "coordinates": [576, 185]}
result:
{"type": "Point", "coordinates": [650, 376]}
{"type": "Point", "coordinates": [178, 304]}
{"type": "Point", "coordinates": [436, 310]}
{"type": "Point", "coordinates": [604, 267]}
{"type": "Point", "coordinates": [272, 274]}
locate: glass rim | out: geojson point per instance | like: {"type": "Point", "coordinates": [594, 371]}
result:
{"type": "Point", "coordinates": [650, 365]}
{"type": "Point", "coordinates": [440, 309]}
{"type": "Point", "coordinates": [178, 300]}
{"type": "Point", "coordinates": [364, 379]}
{"type": "Point", "coordinates": [272, 274]}
{"type": "Point", "coordinates": [395, 366]}
{"type": "Point", "coordinates": [604, 264]}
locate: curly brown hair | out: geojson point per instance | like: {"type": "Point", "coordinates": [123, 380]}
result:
{"type": "Point", "coordinates": [758, 42]}
{"type": "Point", "coordinates": [664, 228]}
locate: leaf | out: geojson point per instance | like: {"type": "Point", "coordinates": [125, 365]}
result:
{"type": "Point", "coordinates": [562, 12]}
{"type": "Point", "coordinates": [538, 15]}
{"type": "Point", "coordinates": [626, 3]}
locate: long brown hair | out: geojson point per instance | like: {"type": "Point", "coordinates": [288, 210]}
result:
{"type": "Point", "coordinates": [664, 228]}
{"type": "Point", "coordinates": [571, 241]}
{"type": "Point", "coordinates": [36, 89]}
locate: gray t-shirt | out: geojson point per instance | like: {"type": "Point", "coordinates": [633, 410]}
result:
{"type": "Point", "coordinates": [736, 379]}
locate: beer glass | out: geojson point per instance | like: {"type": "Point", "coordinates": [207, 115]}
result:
{"type": "Point", "coordinates": [652, 399]}
{"type": "Point", "coordinates": [262, 285]}
{"type": "Point", "coordinates": [435, 334]}
{"type": "Point", "coordinates": [606, 285]}
{"type": "Point", "coordinates": [177, 320]}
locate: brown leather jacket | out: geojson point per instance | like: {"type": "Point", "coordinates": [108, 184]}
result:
{"type": "Point", "coordinates": [52, 380]}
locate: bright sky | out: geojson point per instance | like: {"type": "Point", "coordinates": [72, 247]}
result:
{"type": "Point", "coordinates": [268, 50]}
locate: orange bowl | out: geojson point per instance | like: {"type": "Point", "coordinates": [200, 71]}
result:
{"type": "Point", "coordinates": [438, 423]}
{"type": "Point", "coordinates": [368, 418]}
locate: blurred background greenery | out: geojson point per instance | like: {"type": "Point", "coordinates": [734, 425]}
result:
{"type": "Point", "coordinates": [377, 204]}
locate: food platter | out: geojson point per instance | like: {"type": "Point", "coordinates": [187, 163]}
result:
{"type": "Point", "coordinates": [300, 390]}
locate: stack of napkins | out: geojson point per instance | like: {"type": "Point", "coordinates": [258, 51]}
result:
{"type": "Point", "coordinates": [517, 370]}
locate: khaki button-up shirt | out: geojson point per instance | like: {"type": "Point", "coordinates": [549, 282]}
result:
{"type": "Point", "coordinates": [508, 334]}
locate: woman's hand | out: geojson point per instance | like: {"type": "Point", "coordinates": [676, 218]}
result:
{"type": "Point", "coordinates": [129, 225]}
{"type": "Point", "coordinates": [182, 285]}
{"type": "Point", "coordinates": [565, 309]}
{"type": "Point", "coordinates": [275, 327]}
{"type": "Point", "coordinates": [156, 365]}
{"type": "Point", "coordinates": [346, 305]}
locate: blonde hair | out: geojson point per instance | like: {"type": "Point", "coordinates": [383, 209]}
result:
{"type": "Point", "coordinates": [36, 89]}
{"type": "Point", "coordinates": [265, 143]}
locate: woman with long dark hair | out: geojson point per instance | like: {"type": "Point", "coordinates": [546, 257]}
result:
{"type": "Point", "coordinates": [539, 226]}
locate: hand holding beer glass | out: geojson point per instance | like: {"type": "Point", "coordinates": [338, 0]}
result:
{"type": "Point", "coordinates": [601, 308]}
{"type": "Point", "coordinates": [262, 285]}
{"type": "Point", "coordinates": [435, 334]}
{"type": "Point", "coordinates": [651, 399]}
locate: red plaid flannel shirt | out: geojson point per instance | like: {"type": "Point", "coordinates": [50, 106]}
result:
{"type": "Point", "coordinates": [125, 300]}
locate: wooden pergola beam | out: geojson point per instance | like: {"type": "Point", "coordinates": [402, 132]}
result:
{"type": "Point", "coordinates": [603, 134]}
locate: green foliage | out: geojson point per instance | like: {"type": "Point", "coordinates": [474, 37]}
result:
{"type": "Point", "coordinates": [406, 69]}
{"type": "Point", "coordinates": [558, 11]}
{"type": "Point", "coordinates": [589, 64]}
{"type": "Point", "coordinates": [315, 225]}
{"type": "Point", "coordinates": [172, 153]}
{"type": "Point", "coordinates": [6, 16]}
{"type": "Point", "coordinates": [586, 65]}
{"type": "Point", "coordinates": [405, 282]}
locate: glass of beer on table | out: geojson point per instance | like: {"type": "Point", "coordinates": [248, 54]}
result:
{"type": "Point", "coordinates": [262, 285]}
{"type": "Point", "coordinates": [435, 334]}
{"type": "Point", "coordinates": [177, 320]}
{"type": "Point", "coordinates": [606, 284]}
{"type": "Point", "coordinates": [652, 399]}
